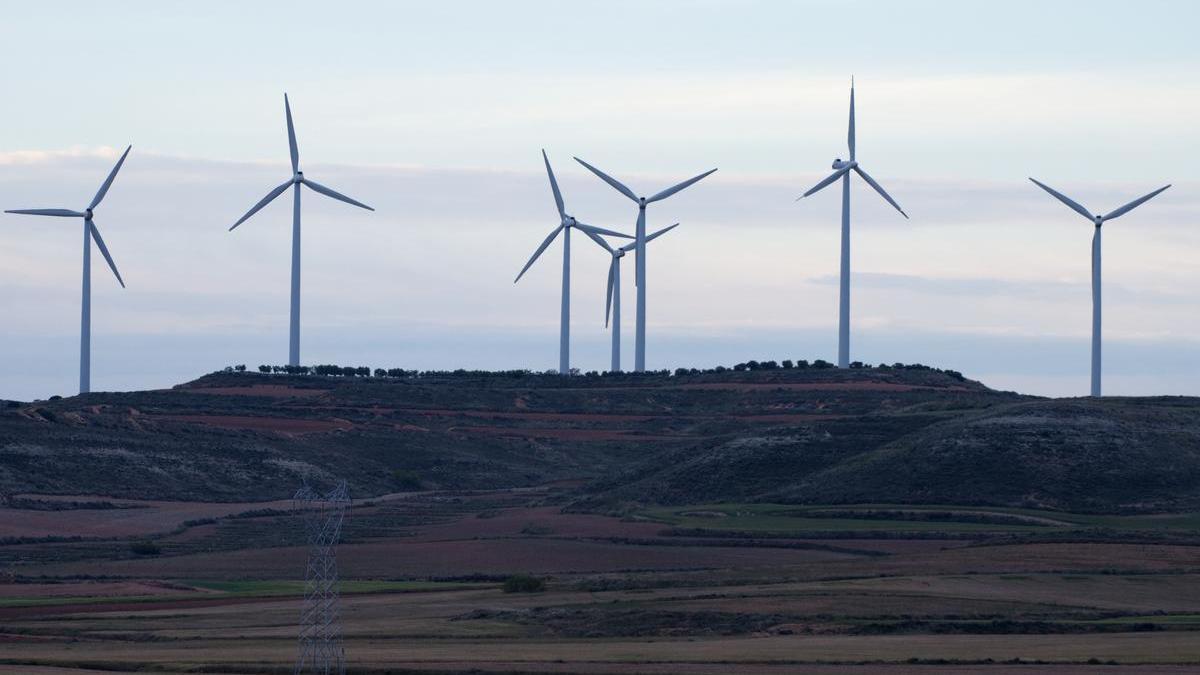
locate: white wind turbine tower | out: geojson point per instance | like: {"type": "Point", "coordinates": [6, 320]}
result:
{"type": "Point", "coordinates": [90, 232]}
{"type": "Point", "coordinates": [612, 306]}
{"type": "Point", "coordinates": [842, 170]}
{"type": "Point", "coordinates": [295, 182]}
{"type": "Point", "coordinates": [1098, 221]}
{"type": "Point", "coordinates": [639, 354]}
{"type": "Point", "coordinates": [565, 223]}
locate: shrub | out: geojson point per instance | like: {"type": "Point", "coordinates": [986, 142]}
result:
{"type": "Point", "coordinates": [524, 583]}
{"type": "Point", "coordinates": [145, 547]}
{"type": "Point", "coordinates": [406, 480]}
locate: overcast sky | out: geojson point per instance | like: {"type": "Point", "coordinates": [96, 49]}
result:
{"type": "Point", "coordinates": [435, 114]}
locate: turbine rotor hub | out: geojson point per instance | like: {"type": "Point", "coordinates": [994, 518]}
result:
{"type": "Point", "coordinates": [87, 214]}
{"type": "Point", "coordinates": [298, 176]}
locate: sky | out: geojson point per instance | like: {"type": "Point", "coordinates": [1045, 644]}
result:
{"type": "Point", "coordinates": [436, 113]}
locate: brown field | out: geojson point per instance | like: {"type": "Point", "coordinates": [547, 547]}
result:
{"type": "Point", "coordinates": [623, 596]}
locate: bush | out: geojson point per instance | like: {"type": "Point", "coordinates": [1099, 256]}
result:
{"type": "Point", "coordinates": [524, 583]}
{"type": "Point", "coordinates": [406, 480]}
{"type": "Point", "coordinates": [145, 547]}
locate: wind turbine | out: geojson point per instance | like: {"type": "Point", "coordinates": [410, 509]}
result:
{"type": "Point", "coordinates": [295, 182]}
{"type": "Point", "coordinates": [565, 224]}
{"type": "Point", "coordinates": [1098, 221]}
{"type": "Point", "coordinates": [90, 232]}
{"type": "Point", "coordinates": [639, 354]}
{"type": "Point", "coordinates": [612, 305]}
{"type": "Point", "coordinates": [842, 170]}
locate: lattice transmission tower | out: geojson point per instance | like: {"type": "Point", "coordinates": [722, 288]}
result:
{"type": "Point", "coordinates": [321, 649]}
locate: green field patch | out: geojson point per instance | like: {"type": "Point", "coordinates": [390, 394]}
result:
{"type": "Point", "coordinates": [788, 518]}
{"type": "Point", "coordinates": [243, 589]}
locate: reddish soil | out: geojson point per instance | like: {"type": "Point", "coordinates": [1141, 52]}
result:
{"type": "Point", "coordinates": [569, 434]}
{"type": "Point", "coordinates": [114, 589]}
{"type": "Point", "coordinates": [153, 516]}
{"type": "Point", "coordinates": [20, 613]}
{"type": "Point", "coordinates": [288, 426]}
{"type": "Point", "coordinates": [610, 417]}
{"type": "Point", "coordinates": [537, 416]}
{"type": "Point", "coordinates": [266, 390]}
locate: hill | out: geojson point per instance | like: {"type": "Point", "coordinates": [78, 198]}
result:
{"type": "Point", "coordinates": [803, 436]}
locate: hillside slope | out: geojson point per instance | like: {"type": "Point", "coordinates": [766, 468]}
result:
{"type": "Point", "coordinates": [798, 435]}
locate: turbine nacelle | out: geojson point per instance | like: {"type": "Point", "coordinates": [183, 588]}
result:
{"type": "Point", "coordinates": [839, 164]}
{"type": "Point", "coordinates": [87, 213]}
{"type": "Point", "coordinates": [569, 220]}
{"type": "Point", "coordinates": [1098, 220]}
{"type": "Point", "coordinates": [298, 177]}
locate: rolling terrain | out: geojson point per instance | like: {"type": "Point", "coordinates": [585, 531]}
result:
{"type": "Point", "coordinates": [774, 521]}
{"type": "Point", "coordinates": [805, 436]}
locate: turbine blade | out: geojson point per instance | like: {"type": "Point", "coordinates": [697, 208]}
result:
{"type": "Point", "coordinates": [558, 200]}
{"type": "Point", "coordinates": [63, 213]}
{"type": "Point", "coordinates": [1064, 199]}
{"type": "Point", "coordinates": [546, 242]}
{"type": "Point", "coordinates": [331, 193]}
{"type": "Point", "coordinates": [263, 202]}
{"type": "Point", "coordinates": [1133, 204]}
{"type": "Point", "coordinates": [598, 239]}
{"type": "Point", "coordinates": [652, 237]}
{"type": "Point", "coordinates": [672, 190]}
{"type": "Point", "coordinates": [104, 251]}
{"type": "Point", "coordinates": [850, 135]}
{"type": "Point", "coordinates": [287, 109]}
{"type": "Point", "coordinates": [109, 181]}
{"type": "Point", "coordinates": [600, 230]}
{"type": "Point", "coordinates": [880, 190]}
{"type": "Point", "coordinates": [617, 185]}
{"type": "Point", "coordinates": [612, 267]}
{"type": "Point", "coordinates": [820, 186]}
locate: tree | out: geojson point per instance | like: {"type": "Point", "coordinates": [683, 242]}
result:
{"type": "Point", "coordinates": [264, 369]}
{"type": "Point", "coordinates": [787, 364]}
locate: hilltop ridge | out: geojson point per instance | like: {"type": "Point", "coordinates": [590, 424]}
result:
{"type": "Point", "coordinates": [795, 435]}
